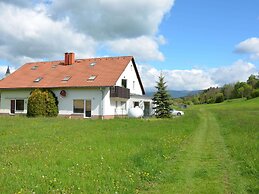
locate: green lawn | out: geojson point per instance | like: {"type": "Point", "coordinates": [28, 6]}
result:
{"type": "Point", "coordinates": [212, 149]}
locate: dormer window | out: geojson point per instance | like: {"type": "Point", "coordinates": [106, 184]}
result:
{"type": "Point", "coordinates": [34, 67]}
{"type": "Point", "coordinates": [91, 78]}
{"type": "Point", "coordinates": [66, 78]}
{"type": "Point", "coordinates": [38, 79]}
{"type": "Point", "coordinates": [92, 64]}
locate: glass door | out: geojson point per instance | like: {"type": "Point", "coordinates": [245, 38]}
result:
{"type": "Point", "coordinates": [12, 106]}
{"type": "Point", "coordinates": [88, 106]}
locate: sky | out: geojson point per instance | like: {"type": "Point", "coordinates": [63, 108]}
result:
{"type": "Point", "coordinates": [195, 44]}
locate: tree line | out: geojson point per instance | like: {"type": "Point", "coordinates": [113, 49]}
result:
{"type": "Point", "coordinates": [248, 89]}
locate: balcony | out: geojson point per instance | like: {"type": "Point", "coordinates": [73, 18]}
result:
{"type": "Point", "coordinates": [119, 92]}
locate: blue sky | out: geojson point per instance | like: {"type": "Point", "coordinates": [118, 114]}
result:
{"type": "Point", "coordinates": [195, 44]}
{"type": "Point", "coordinates": [204, 33]}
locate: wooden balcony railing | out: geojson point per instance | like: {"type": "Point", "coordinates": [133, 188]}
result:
{"type": "Point", "coordinates": [119, 92]}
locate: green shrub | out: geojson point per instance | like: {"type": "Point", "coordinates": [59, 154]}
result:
{"type": "Point", "coordinates": [219, 98]}
{"type": "Point", "coordinates": [255, 93]}
{"type": "Point", "coordinates": [42, 103]}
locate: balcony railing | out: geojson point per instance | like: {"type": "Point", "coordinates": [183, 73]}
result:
{"type": "Point", "coordinates": [119, 92]}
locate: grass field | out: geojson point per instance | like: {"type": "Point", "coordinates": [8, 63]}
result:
{"type": "Point", "coordinates": [212, 149]}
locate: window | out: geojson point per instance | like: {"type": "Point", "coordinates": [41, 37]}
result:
{"type": "Point", "coordinates": [92, 64]}
{"type": "Point", "coordinates": [19, 105]}
{"type": "Point", "coordinates": [92, 78]}
{"type": "Point", "coordinates": [136, 104]}
{"type": "Point", "coordinates": [78, 106]}
{"type": "Point", "coordinates": [133, 85]}
{"type": "Point", "coordinates": [123, 105]}
{"type": "Point", "coordinates": [38, 79]}
{"type": "Point", "coordinates": [124, 83]}
{"type": "Point", "coordinates": [54, 66]}
{"type": "Point", "coordinates": [66, 78]}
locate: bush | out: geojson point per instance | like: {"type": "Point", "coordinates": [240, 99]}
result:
{"type": "Point", "coordinates": [42, 103]}
{"type": "Point", "coordinates": [255, 93]}
{"type": "Point", "coordinates": [219, 98]}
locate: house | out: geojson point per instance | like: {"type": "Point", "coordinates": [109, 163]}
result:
{"type": "Point", "coordinates": [104, 87]}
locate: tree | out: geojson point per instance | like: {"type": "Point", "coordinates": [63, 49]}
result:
{"type": "Point", "coordinates": [247, 90]}
{"type": "Point", "coordinates": [219, 97]}
{"type": "Point", "coordinates": [162, 100]}
{"type": "Point", "coordinates": [241, 91]}
{"type": "Point", "coordinates": [228, 91]}
{"type": "Point", "coordinates": [252, 81]}
{"type": "Point", "coordinates": [42, 103]}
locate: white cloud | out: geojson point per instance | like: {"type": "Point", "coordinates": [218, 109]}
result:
{"type": "Point", "coordinates": [142, 48]}
{"type": "Point", "coordinates": [194, 79]}
{"type": "Point", "coordinates": [113, 19]}
{"type": "Point", "coordinates": [249, 46]}
{"type": "Point", "coordinates": [197, 79]}
{"type": "Point", "coordinates": [238, 71]}
{"type": "Point", "coordinates": [30, 34]}
{"type": "Point", "coordinates": [40, 29]}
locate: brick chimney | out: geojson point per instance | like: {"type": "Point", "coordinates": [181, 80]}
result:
{"type": "Point", "coordinates": [69, 58]}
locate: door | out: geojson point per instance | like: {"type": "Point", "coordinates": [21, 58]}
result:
{"type": "Point", "coordinates": [12, 106]}
{"type": "Point", "coordinates": [88, 110]}
{"type": "Point", "coordinates": [146, 109]}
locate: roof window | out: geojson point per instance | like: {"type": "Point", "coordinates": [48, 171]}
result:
{"type": "Point", "coordinates": [92, 64]}
{"type": "Point", "coordinates": [54, 66]}
{"type": "Point", "coordinates": [91, 78]}
{"type": "Point", "coordinates": [38, 79]}
{"type": "Point", "coordinates": [34, 67]}
{"type": "Point", "coordinates": [66, 78]}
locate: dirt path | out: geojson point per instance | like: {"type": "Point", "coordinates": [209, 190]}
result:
{"type": "Point", "coordinates": [203, 165]}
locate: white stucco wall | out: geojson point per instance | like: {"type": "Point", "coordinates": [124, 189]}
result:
{"type": "Point", "coordinates": [130, 75]}
{"type": "Point", "coordinates": [8, 95]}
{"type": "Point", "coordinates": [65, 103]}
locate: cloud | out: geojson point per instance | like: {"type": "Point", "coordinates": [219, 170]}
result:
{"type": "Point", "coordinates": [238, 71]}
{"type": "Point", "coordinates": [194, 79]}
{"type": "Point", "coordinates": [30, 34]}
{"type": "Point", "coordinates": [142, 48]}
{"type": "Point", "coordinates": [42, 29]}
{"type": "Point", "coordinates": [197, 79]}
{"type": "Point", "coordinates": [113, 19]}
{"type": "Point", "coordinates": [249, 46]}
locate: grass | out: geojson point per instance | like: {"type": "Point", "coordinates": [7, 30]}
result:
{"type": "Point", "coordinates": [212, 149]}
{"type": "Point", "coordinates": [59, 155]}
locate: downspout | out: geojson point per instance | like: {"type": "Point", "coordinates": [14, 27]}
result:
{"type": "Point", "coordinates": [102, 103]}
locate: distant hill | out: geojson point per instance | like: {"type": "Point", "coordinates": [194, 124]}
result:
{"type": "Point", "coordinates": [177, 93]}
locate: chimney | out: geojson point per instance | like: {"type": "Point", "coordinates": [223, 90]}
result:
{"type": "Point", "coordinates": [69, 58]}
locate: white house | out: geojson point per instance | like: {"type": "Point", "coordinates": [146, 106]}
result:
{"type": "Point", "coordinates": [96, 87]}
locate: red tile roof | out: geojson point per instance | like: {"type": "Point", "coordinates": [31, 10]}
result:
{"type": "Point", "coordinates": [107, 71]}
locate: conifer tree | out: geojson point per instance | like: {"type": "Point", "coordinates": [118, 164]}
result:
{"type": "Point", "coordinates": [162, 100]}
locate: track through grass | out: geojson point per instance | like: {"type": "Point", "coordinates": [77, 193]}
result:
{"type": "Point", "coordinates": [203, 164]}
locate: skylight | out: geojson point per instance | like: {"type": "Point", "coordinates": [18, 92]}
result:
{"type": "Point", "coordinates": [92, 78]}
{"type": "Point", "coordinates": [92, 64]}
{"type": "Point", "coordinates": [54, 66]}
{"type": "Point", "coordinates": [34, 67]}
{"type": "Point", "coordinates": [66, 78]}
{"type": "Point", "coordinates": [38, 79]}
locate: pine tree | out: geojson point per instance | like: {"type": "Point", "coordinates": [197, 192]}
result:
{"type": "Point", "coordinates": [162, 100]}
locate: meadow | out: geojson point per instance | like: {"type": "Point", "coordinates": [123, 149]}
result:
{"type": "Point", "coordinates": [211, 149]}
